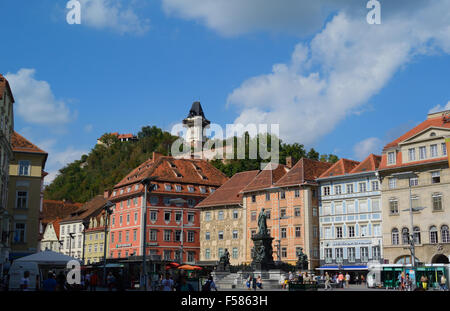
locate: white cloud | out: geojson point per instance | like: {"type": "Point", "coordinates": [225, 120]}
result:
{"type": "Point", "coordinates": [339, 70]}
{"type": "Point", "coordinates": [439, 108]}
{"type": "Point", "coordinates": [367, 146]}
{"type": "Point", "coordinates": [35, 102]}
{"type": "Point", "coordinates": [111, 14]}
{"type": "Point", "coordinates": [234, 17]}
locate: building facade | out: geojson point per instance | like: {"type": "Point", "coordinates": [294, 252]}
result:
{"type": "Point", "coordinates": [72, 228]}
{"type": "Point", "coordinates": [350, 215]}
{"type": "Point", "coordinates": [290, 199]}
{"type": "Point", "coordinates": [415, 172]}
{"type": "Point", "coordinates": [173, 227]}
{"type": "Point", "coordinates": [6, 132]}
{"type": "Point", "coordinates": [50, 239]}
{"type": "Point", "coordinates": [222, 221]}
{"type": "Point", "coordinates": [95, 239]}
{"type": "Point", "coordinates": [26, 180]}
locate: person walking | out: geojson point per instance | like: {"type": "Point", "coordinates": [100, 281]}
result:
{"type": "Point", "coordinates": [167, 284]}
{"type": "Point", "coordinates": [327, 281]}
{"type": "Point", "coordinates": [50, 283]}
{"type": "Point", "coordinates": [347, 280]}
{"type": "Point", "coordinates": [249, 282]}
{"type": "Point", "coordinates": [341, 280]}
{"type": "Point", "coordinates": [209, 285]}
{"type": "Point", "coordinates": [93, 282]}
{"type": "Point", "coordinates": [259, 282]}
{"type": "Point", "coordinates": [443, 282]}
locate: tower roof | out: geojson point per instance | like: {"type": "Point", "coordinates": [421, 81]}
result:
{"type": "Point", "coordinates": [196, 111]}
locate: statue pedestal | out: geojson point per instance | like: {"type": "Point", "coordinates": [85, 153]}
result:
{"type": "Point", "coordinates": [262, 253]}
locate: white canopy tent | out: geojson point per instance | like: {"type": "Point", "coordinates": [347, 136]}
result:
{"type": "Point", "coordinates": [47, 257]}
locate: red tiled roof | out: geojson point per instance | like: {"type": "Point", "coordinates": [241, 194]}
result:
{"type": "Point", "coordinates": [21, 144]}
{"type": "Point", "coordinates": [438, 121]}
{"type": "Point", "coordinates": [4, 84]}
{"type": "Point", "coordinates": [305, 170]}
{"type": "Point", "coordinates": [369, 164]}
{"type": "Point", "coordinates": [125, 136]}
{"type": "Point", "coordinates": [267, 177]}
{"type": "Point", "coordinates": [52, 210]}
{"type": "Point", "coordinates": [55, 224]}
{"type": "Point", "coordinates": [229, 192]}
{"type": "Point", "coordinates": [87, 210]}
{"type": "Point", "coordinates": [341, 167]}
{"type": "Point", "coordinates": [169, 169]}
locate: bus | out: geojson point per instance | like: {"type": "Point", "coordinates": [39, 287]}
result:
{"type": "Point", "coordinates": [386, 275]}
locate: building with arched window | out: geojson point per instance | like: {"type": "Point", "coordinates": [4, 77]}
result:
{"type": "Point", "coordinates": [415, 173]}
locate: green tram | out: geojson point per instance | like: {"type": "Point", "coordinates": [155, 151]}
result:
{"type": "Point", "coordinates": [386, 275]}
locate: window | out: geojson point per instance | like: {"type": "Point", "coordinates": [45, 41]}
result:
{"type": "Point", "coordinates": [190, 218]}
{"type": "Point", "coordinates": [128, 219]}
{"type": "Point", "coordinates": [327, 232]}
{"type": "Point", "coordinates": [395, 236]}
{"type": "Point", "coordinates": [166, 201]}
{"type": "Point", "coordinates": [393, 206]}
{"type": "Point", "coordinates": [178, 188]}
{"type": "Point", "coordinates": [207, 235]}
{"type": "Point", "coordinates": [207, 253]}
{"type": "Point", "coordinates": [167, 234]}
{"type": "Point", "coordinates": [376, 205]}
{"type": "Point", "coordinates": [24, 168]}
{"type": "Point", "coordinates": [112, 237]}
{"type": "Point", "coordinates": [191, 202]}
{"type": "Point", "coordinates": [190, 188]}
{"type": "Point", "coordinates": [326, 190]}
{"type": "Point", "coordinates": [22, 198]}
{"type": "Point", "coordinates": [416, 235]}
{"type": "Point", "coordinates": [445, 234]}
{"type": "Point", "coordinates": [422, 153]}
{"type": "Point", "coordinates": [253, 198]}
{"type": "Point", "coordinates": [177, 235]}
{"type": "Point", "coordinates": [153, 215]}
{"type": "Point", "coordinates": [178, 216]}
{"type": "Point", "coordinates": [375, 185]}
{"type": "Point", "coordinates": [167, 254]}
{"type": "Point", "coordinates": [283, 212]}
{"type": "Point", "coordinates": [191, 256]}
{"type": "Point", "coordinates": [221, 215]}
{"type": "Point", "coordinates": [127, 236]}
{"type": "Point", "coordinates": [376, 230]}
{"type": "Point", "coordinates": [211, 190]}
{"type": "Point", "coordinates": [435, 177]}
{"type": "Point", "coordinates": [414, 181]}
{"type": "Point", "coordinates": [351, 252]}
{"type": "Point", "coordinates": [134, 235]}
{"type": "Point", "coordinates": [339, 209]}
{"type": "Point", "coordinates": [328, 254]}
{"type": "Point", "coordinates": [434, 150]}
{"type": "Point", "coordinates": [283, 195]}
{"type": "Point", "coordinates": [392, 183]}
{"type": "Point", "coordinates": [350, 188]}
{"type": "Point", "coordinates": [283, 233]}
{"type": "Point", "coordinates": [444, 149]}
{"type": "Point", "coordinates": [339, 232]}
{"type": "Point", "coordinates": [412, 154]}
{"type": "Point", "coordinates": [415, 201]}
{"type": "Point", "coordinates": [120, 237]}
{"type": "Point", "coordinates": [391, 158]}
{"type": "Point", "coordinates": [135, 201]}
{"type": "Point", "coordinates": [191, 236]}
{"type": "Point", "coordinates": [298, 232]}
{"type": "Point", "coordinates": [235, 253]}
{"type": "Point", "coordinates": [167, 187]}
{"type": "Point", "coordinates": [363, 230]}
{"type": "Point", "coordinates": [338, 189]}
{"type": "Point", "coordinates": [19, 233]}
{"type": "Point", "coordinates": [167, 216]}
{"type": "Point", "coordinates": [135, 217]}
{"type": "Point", "coordinates": [284, 252]}
{"type": "Point", "coordinates": [207, 216]}
{"type": "Point", "coordinates": [297, 193]}
{"type": "Point", "coordinates": [202, 190]}
{"type": "Point", "coordinates": [363, 206]}
{"type": "Point", "coordinates": [235, 234]}
{"type": "Point", "coordinates": [154, 200]}
{"type": "Point", "coordinates": [236, 214]}
{"type": "Point", "coordinates": [314, 210]}
{"type": "Point", "coordinates": [405, 236]}
{"type": "Point", "coordinates": [315, 231]}
{"type": "Point", "coordinates": [339, 254]}
{"type": "Point", "coordinates": [297, 212]}
{"type": "Point", "coordinates": [362, 187]}
{"type": "Point", "coordinates": [364, 254]}
{"type": "Point", "coordinates": [128, 202]}
{"type": "Point", "coordinates": [351, 231]}
{"type": "Point", "coordinates": [253, 216]}
{"type": "Point", "coordinates": [433, 235]}
{"type": "Point", "coordinates": [267, 196]}
{"type": "Point", "coordinates": [220, 235]}
{"type": "Point", "coordinates": [120, 219]}
{"type": "Point", "coordinates": [376, 252]}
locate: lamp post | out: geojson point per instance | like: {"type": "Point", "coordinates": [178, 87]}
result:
{"type": "Point", "coordinates": [71, 235]}
{"type": "Point", "coordinates": [146, 182]}
{"type": "Point", "coordinates": [108, 211]}
{"type": "Point", "coordinates": [86, 226]}
{"type": "Point", "coordinates": [180, 201]}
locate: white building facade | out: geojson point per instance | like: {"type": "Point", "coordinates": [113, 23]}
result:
{"type": "Point", "coordinates": [71, 233]}
{"type": "Point", "coordinates": [350, 218]}
{"type": "Point", "coordinates": [50, 239]}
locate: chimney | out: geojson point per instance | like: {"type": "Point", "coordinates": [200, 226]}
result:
{"type": "Point", "coordinates": [106, 194]}
{"type": "Point", "coordinates": [156, 156]}
{"type": "Point", "coordinates": [289, 162]}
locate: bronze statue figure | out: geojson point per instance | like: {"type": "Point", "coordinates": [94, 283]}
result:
{"type": "Point", "coordinates": [262, 223]}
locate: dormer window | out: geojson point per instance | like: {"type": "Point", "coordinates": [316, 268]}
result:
{"type": "Point", "coordinates": [202, 189]}
{"type": "Point", "coordinates": [136, 187]}
{"type": "Point", "coordinates": [391, 157]}
{"type": "Point", "coordinates": [168, 187]}
{"type": "Point", "coordinates": [432, 134]}
{"type": "Point", "coordinates": [114, 193]}
{"type": "Point", "coordinates": [121, 191]}
{"type": "Point", "coordinates": [212, 190]}
{"type": "Point", "coordinates": [191, 188]}
{"type": "Point", "coordinates": [129, 189]}
{"type": "Point", "coordinates": [178, 188]}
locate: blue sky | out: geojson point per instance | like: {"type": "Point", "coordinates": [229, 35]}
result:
{"type": "Point", "coordinates": [136, 63]}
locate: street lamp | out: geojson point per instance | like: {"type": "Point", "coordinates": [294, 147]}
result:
{"type": "Point", "coordinates": [108, 211]}
{"type": "Point", "coordinates": [86, 226]}
{"type": "Point", "coordinates": [71, 235]}
{"type": "Point", "coordinates": [146, 182]}
{"type": "Point", "coordinates": [409, 175]}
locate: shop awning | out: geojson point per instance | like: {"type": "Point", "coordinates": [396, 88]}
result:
{"type": "Point", "coordinates": [343, 268]}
